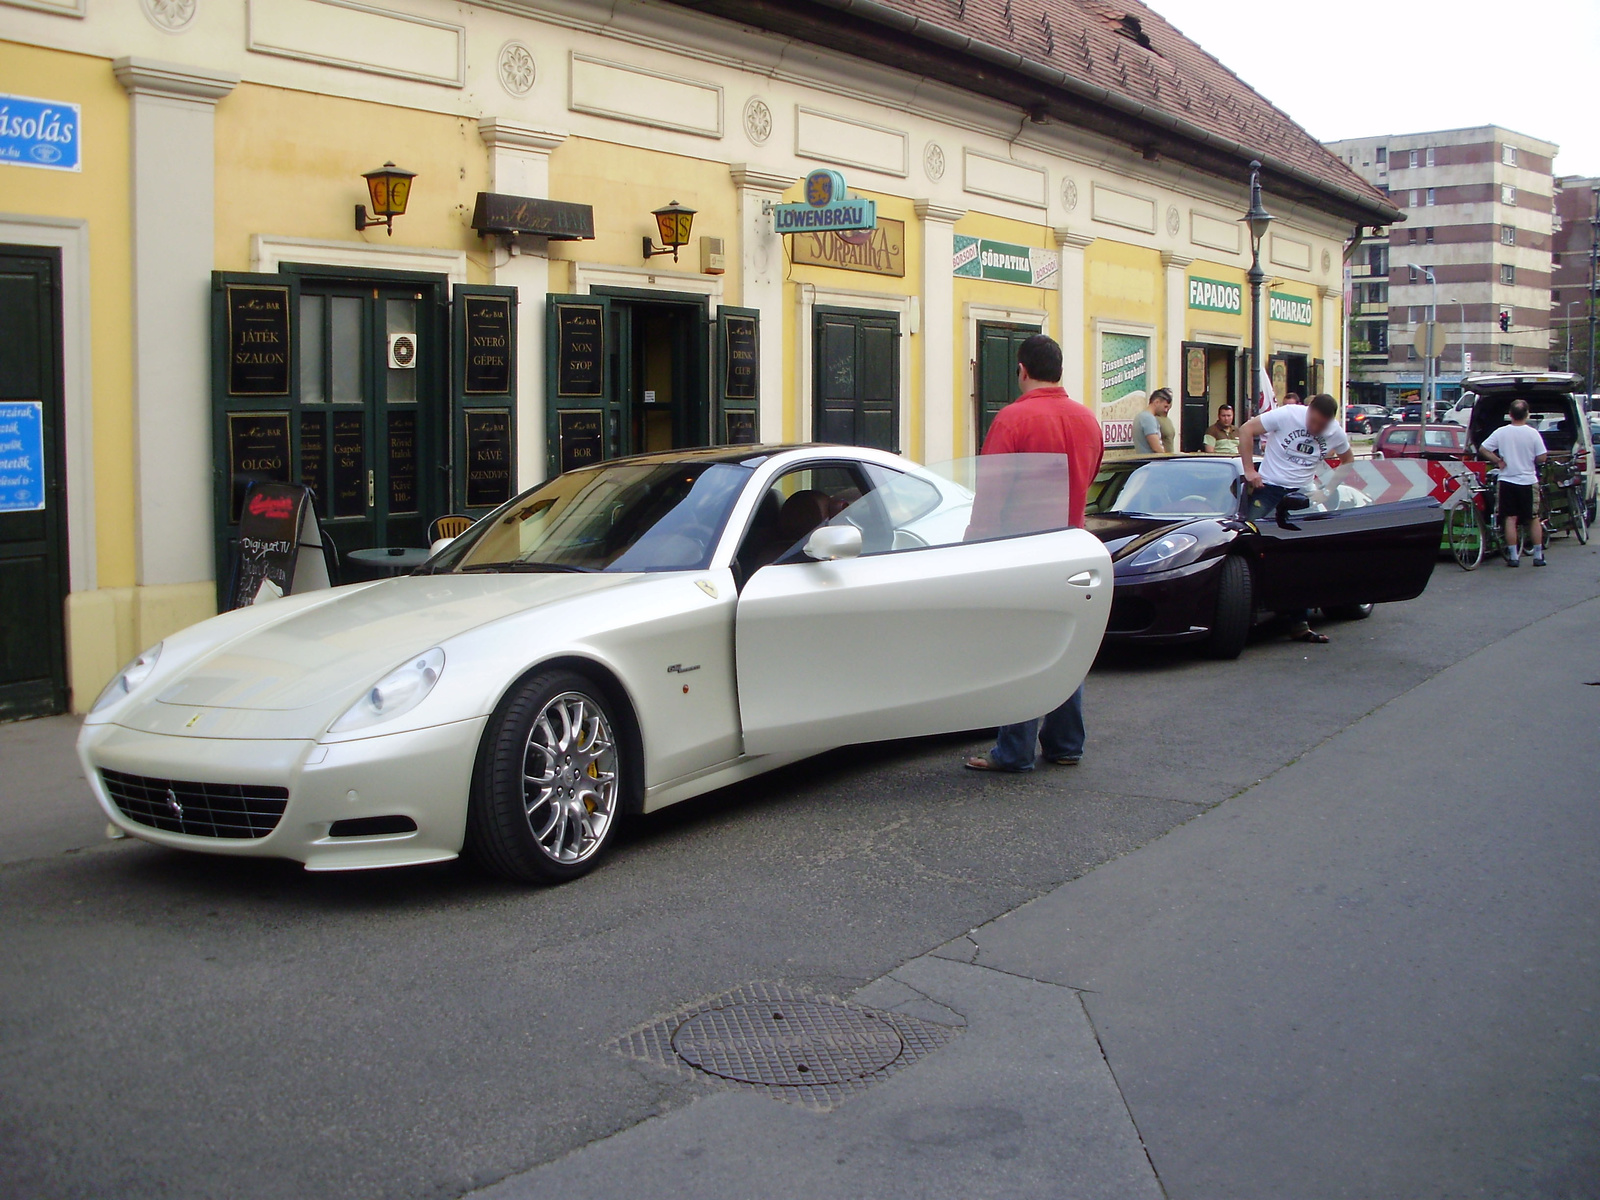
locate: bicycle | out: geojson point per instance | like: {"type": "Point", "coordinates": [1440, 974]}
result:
{"type": "Point", "coordinates": [1472, 526]}
{"type": "Point", "coordinates": [1565, 483]}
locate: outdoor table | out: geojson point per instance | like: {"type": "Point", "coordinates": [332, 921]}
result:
{"type": "Point", "coordinates": [393, 560]}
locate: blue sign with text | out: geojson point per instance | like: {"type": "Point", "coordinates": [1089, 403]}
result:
{"type": "Point", "coordinates": [40, 133]}
{"type": "Point", "coordinates": [21, 456]}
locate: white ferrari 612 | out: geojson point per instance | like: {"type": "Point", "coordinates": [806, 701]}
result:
{"type": "Point", "coordinates": [616, 640]}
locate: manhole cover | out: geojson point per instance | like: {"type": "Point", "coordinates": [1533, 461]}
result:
{"type": "Point", "coordinates": [787, 1042]}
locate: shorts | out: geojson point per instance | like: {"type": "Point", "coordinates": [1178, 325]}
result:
{"type": "Point", "coordinates": [1516, 500]}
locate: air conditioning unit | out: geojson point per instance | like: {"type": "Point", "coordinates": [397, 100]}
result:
{"type": "Point", "coordinates": [712, 261]}
{"type": "Point", "coordinates": [403, 351]}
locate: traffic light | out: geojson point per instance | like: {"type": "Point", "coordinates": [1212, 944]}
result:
{"type": "Point", "coordinates": [1505, 320]}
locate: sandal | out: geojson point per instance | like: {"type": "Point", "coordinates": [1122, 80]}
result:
{"type": "Point", "coordinates": [982, 762]}
{"type": "Point", "coordinates": [1310, 636]}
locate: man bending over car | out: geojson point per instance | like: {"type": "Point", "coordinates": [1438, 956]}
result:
{"type": "Point", "coordinates": [1297, 439]}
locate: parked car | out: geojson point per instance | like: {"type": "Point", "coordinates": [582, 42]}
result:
{"type": "Point", "coordinates": [1403, 441]}
{"type": "Point", "coordinates": [1189, 570]}
{"type": "Point", "coordinates": [1366, 418]}
{"type": "Point", "coordinates": [1555, 406]}
{"type": "Point", "coordinates": [620, 638]}
{"type": "Point", "coordinates": [1459, 413]}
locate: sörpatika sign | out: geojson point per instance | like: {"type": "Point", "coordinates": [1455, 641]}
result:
{"type": "Point", "coordinates": [979, 258]}
{"type": "Point", "coordinates": [880, 251]}
{"type": "Point", "coordinates": [40, 133]}
{"type": "Point", "coordinates": [1213, 295]}
{"type": "Point", "coordinates": [828, 208]}
{"type": "Point", "coordinates": [1291, 310]}
{"type": "Point", "coordinates": [21, 456]}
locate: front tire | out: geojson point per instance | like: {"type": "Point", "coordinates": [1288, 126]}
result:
{"type": "Point", "coordinates": [1230, 625]}
{"type": "Point", "coordinates": [547, 792]}
{"type": "Point", "coordinates": [1466, 536]}
{"type": "Point", "coordinates": [1578, 516]}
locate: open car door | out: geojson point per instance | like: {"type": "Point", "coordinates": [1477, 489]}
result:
{"type": "Point", "coordinates": [1370, 536]}
{"type": "Point", "coordinates": [920, 634]}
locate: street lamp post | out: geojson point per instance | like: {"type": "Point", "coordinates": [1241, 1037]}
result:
{"type": "Point", "coordinates": [1461, 314]}
{"type": "Point", "coordinates": [1256, 219]}
{"type": "Point", "coordinates": [1566, 319]}
{"type": "Point", "coordinates": [1427, 363]}
{"type": "Point", "coordinates": [1594, 266]}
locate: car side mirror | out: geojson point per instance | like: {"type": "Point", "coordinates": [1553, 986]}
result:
{"type": "Point", "coordinates": [438, 545]}
{"type": "Point", "coordinates": [829, 542]}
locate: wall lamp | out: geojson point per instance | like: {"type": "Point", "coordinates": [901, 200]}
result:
{"type": "Point", "coordinates": [674, 222]}
{"type": "Point", "coordinates": [390, 188]}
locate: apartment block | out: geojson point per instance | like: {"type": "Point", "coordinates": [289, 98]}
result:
{"type": "Point", "coordinates": [1571, 281]}
{"type": "Point", "coordinates": [1478, 207]}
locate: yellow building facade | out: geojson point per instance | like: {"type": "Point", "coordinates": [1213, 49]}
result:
{"type": "Point", "coordinates": [221, 158]}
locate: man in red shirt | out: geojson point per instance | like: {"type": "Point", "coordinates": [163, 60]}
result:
{"type": "Point", "coordinates": [1044, 420]}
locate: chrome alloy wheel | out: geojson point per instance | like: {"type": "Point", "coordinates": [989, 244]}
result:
{"type": "Point", "coordinates": [569, 778]}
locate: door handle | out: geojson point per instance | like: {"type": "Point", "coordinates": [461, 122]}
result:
{"type": "Point", "coordinates": [372, 489]}
{"type": "Point", "coordinates": [1085, 579]}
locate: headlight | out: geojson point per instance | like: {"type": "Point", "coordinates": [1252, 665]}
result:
{"type": "Point", "coordinates": [130, 677]}
{"type": "Point", "coordinates": [401, 690]}
{"type": "Point", "coordinates": [1162, 551]}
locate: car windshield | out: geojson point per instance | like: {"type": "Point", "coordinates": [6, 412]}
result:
{"type": "Point", "coordinates": [1168, 487]}
{"type": "Point", "coordinates": [623, 516]}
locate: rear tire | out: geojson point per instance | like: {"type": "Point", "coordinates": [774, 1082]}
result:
{"type": "Point", "coordinates": [1348, 612]}
{"type": "Point", "coordinates": [549, 785]}
{"type": "Point", "coordinates": [1235, 613]}
{"type": "Point", "coordinates": [1467, 536]}
{"type": "Point", "coordinates": [1578, 518]}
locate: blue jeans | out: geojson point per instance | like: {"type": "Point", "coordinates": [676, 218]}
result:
{"type": "Point", "coordinates": [1060, 734]}
{"type": "Point", "coordinates": [1263, 506]}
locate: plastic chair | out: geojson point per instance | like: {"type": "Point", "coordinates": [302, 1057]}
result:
{"type": "Point", "coordinates": [451, 525]}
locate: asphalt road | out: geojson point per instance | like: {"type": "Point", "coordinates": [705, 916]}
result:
{"type": "Point", "coordinates": [180, 1026]}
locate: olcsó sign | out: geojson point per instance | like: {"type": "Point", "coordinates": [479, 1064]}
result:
{"type": "Point", "coordinates": [40, 133]}
{"type": "Point", "coordinates": [828, 208]}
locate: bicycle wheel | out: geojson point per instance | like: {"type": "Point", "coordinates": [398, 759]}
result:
{"type": "Point", "coordinates": [1465, 532]}
{"type": "Point", "coordinates": [1578, 516]}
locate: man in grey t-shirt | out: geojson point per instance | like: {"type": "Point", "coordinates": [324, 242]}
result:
{"type": "Point", "coordinates": [1152, 430]}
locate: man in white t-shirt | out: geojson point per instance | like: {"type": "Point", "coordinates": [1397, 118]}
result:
{"type": "Point", "coordinates": [1297, 439]}
{"type": "Point", "coordinates": [1518, 450]}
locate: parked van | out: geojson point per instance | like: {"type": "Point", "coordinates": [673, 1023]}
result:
{"type": "Point", "coordinates": [1555, 407]}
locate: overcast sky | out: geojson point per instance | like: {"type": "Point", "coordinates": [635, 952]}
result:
{"type": "Point", "coordinates": [1363, 67]}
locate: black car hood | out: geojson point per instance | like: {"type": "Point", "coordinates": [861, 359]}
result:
{"type": "Point", "coordinates": [1122, 532]}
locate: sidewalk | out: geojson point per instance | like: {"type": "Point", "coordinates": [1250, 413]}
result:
{"type": "Point", "coordinates": [46, 807]}
{"type": "Point", "coordinates": [1376, 973]}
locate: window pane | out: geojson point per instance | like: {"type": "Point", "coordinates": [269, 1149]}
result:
{"type": "Point", "coordinates": [311, 361]}
{"type": "Point", "coordinates": [345, 347]}
{"type": "Point", "coordinates": [400, 317]}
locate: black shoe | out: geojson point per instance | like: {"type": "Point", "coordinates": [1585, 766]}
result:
{"type": "Point", "coordinates": [1538, 560]}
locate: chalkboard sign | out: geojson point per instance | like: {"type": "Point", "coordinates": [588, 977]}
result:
{"type": "Point", "coordinates": [349, 452]}
{"type": "Point", "coordinates": [488, 457]}
{"type": "Point", "coordinates": [488, 367]}
{"type": "Point", "coordinates": [742, 376]}
{"type": "Point", "coordinates": [580, 362]}
{"type": "Point", "coordinates": [314, 458]}
{"type": "Point", "coordinates": [258, 452]}
{"type": "Point", "coordinates": [739, 427]}
{"type": "Point", "coordinates": [402, 461]}
{"type": "Point", "coordinates": [258, 340]}
{"type": "Point", "coordinates": [582, 437]}
{"type": "Point", "coordinates": [269, 537]}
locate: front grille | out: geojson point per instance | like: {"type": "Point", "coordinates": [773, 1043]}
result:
{"type": "Point", "coordinates": [1130, 614]}
{"type": "Point", "coordinates": [218, 810]}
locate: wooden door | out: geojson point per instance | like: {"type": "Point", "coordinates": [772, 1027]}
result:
{"type": "Point", "coordinates": [1195, 410]}
{"type": "Point", "coordinates": [33, 572]}
{"type": "Point", "coordinates": [856, 378]}
{"type": "Point", "coordinates": [995, 372]}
